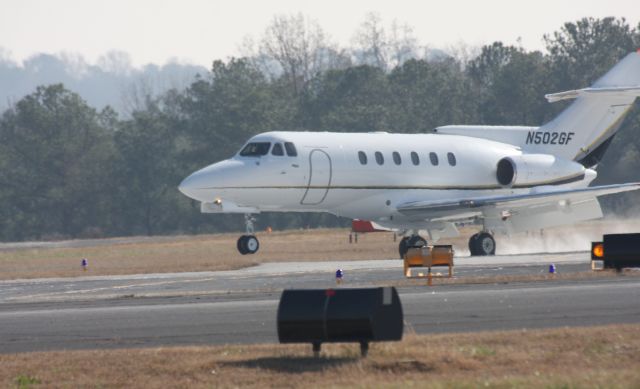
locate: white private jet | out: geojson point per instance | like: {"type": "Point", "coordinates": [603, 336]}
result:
{"type": "Point", "coordinates": [506, 178]}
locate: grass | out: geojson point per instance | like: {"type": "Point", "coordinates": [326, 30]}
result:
{"type": "Point", "coordinates": [218, 252]}
{"type": "Point", "coordinates": [192, 253]}
{"type": "Point", "coordinates": [582, 357]}
{"type": "Point", "coordinates": [25, 382]}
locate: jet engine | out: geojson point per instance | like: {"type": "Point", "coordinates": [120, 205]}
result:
{"type": "Point", "coordinates": [537, 169]}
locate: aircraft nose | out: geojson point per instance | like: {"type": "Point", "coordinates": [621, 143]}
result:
{"type": "Point", "coordinates": [191, 185]}
{"type": "Point", "coordinates": [205, 184]}
{"type": "Point", "coordinates": [195, 185]}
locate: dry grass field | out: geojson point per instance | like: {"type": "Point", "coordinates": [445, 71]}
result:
{"type": "Point", "coordinates": [591, 357]}
{"type": "Point", "coordinates": [218, 252]}
{"type": "Point", "coordinates": [191, 253]}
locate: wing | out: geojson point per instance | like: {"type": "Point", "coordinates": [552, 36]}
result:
{"type": "Point", "coordinates": [542, 207]}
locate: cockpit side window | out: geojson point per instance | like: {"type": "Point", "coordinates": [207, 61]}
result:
{"type": "Point", "coordinates": [291, 149]}
{"type": "Point", "coordinates": [277, 150]}
{"type": "Point", "coordinates": [255, 149]}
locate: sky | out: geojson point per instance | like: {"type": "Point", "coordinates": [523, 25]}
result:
{"type": "Point", "coordinates": [199, 31]}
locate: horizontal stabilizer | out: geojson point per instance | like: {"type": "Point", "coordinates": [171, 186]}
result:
{"type": "Point", "coordinates": [617, 91]}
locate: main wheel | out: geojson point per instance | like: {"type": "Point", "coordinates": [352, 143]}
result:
{"type": "Point", "coordinates": [402, 247]}
{"type": "Point", "coordinates": [484, 244]}
{"type": "Point", "coordinates": [472, 245]}
{"type": "Point", "coordinates": [409, 242]}
{"type": "Point", "coordinates": [416, 241]}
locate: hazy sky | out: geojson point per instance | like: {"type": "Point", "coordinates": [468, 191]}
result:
{"type": "Point", "coordinates": [199, 31]}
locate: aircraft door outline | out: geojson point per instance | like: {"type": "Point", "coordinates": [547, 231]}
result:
{"type": "Point", "coordinates": [320, 175]}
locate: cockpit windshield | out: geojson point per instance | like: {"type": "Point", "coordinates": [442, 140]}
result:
{"type": "Point", "coordinates": [255, 149]}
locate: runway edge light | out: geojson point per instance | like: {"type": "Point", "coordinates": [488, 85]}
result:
{"type": "Point", "coordinates": [597, 250]}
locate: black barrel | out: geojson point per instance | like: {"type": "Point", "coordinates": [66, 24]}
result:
{"type": "Point", "coordinates": [621, 250]}
{"type": "Point", "coordinates": [339, 315]}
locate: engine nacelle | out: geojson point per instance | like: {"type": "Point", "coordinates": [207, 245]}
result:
{"type": "Point", "coordinates": [537, 169]}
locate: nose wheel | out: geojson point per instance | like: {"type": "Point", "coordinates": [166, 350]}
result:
{"type": "Point", "coordinates": [248, 243]}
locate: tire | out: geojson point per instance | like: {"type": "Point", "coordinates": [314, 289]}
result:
{"type": "Point", "coordinates": [416, 241]}
{"type": "Point", "coordinates": [409, 242]}
{"type": "Point", "coordinates": [402, 247]}
{"type": "Point", "coordinates": [472, 245]}
{"type": "Point", "coordinates": [251, 244]}
{"type": "Point", "coordinates": [485, 244]}
{"type": "Point", "coordinates": [241, 245]}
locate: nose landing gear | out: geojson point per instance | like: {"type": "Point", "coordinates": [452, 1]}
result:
{"type": "Point", "coordinates": [248, 243]}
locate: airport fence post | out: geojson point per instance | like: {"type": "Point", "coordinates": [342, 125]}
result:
{"type": "Point", "coordinates": [316, 349]}
{"type": "Point", "coordinates": [364, 349]}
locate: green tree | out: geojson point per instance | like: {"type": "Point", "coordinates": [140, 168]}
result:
{"type": "Point", "coordinates": [219, 113]}
{"type": "Point", "coordinates": [148, 172]}
{"type": "Point", "coordinates": [55, 165]}
{"type": "Point", "coordinates": [352, 100]}
{"type": "Point", "coordinates": [583, 51]}
{"type": "Point", "coordinates": [429, 94]}
{"type": "Point", "coordinates": [510, 84]}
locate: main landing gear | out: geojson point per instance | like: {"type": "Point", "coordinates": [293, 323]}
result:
{"type": "Point", "coordinates": [482, 244]}
{"type": "Point", "coordinates": [409, 242]}
{"type": "Point", "coordinates": [248, 243]}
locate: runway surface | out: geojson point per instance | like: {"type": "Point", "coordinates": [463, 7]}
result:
{"type": "Point", "coordinates": [240, 306]}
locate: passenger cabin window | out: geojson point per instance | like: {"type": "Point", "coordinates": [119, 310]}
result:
{"type": "Point", "coordinates": [277, 150]}
{"type": "Point", "coordinates": [379, 158]}
{"type": "Point", "coordinates": [362, 157]}
{"type": "Point", "coordinates": [255, 149]}
{"type": "Point", "coordinates": [291, 149]}
{"type": "Point", "coordinates": [414, 158]}
{"type": "Point", "coordinates": [434, 158]}
{"type": "Point", "coordinates": [396, 158]}
{"type": "Point", "coordinates": [452, 159]}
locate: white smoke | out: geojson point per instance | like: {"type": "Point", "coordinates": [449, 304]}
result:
{"type": "Point", "coordinates": [560, 239]}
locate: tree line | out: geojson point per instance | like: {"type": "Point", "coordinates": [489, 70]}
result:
{"type": "Point", "coordinates": [69, 170]}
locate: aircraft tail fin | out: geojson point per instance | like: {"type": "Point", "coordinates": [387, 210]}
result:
{"type": "Point", "coordinates": [584, 130]}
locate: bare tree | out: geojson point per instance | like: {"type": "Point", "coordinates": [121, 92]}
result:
{"type": "Point", "coordinates": [461, 52]}
{"type": "Point", "coordinates": [299, 46]}
{"type": "Point", "coordinates": [6, 56]}
{"type": "Point", "coordinates": [117, 62]}
{"type": "Point", "coordinates": [137, 95]}
{"type": "Point", "coordinates": [370, 42]}
{"type": "Point", "coordinates": [376, 46]}
{"type": "Point", "coordinates": [402, 44]}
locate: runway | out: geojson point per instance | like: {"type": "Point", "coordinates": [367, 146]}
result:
{"type": "Point", "coordinates": [240, 306]}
